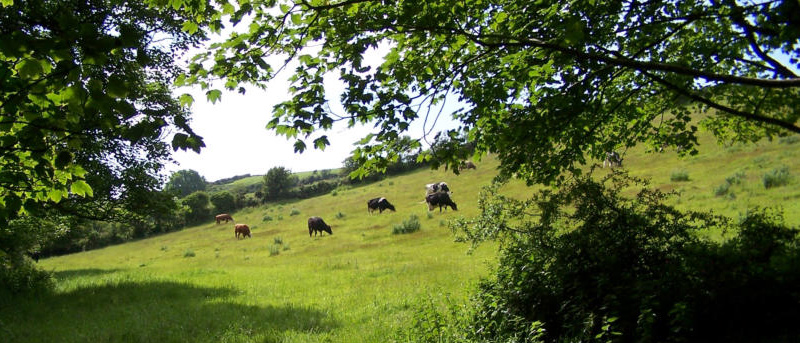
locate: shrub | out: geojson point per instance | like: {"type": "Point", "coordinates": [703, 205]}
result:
{"type": "Point", "coordinates": [294, 212]}
{"type": "Point", "coordinates": [789, 139]}
{"type": "Point", "coordinates": [266, 218]}
{"type": "Point", "coordinates": [408, 226]}
{"type": "Point", "coordinates": [735, 179]}
{"type": "Point", "coordinates": [679, 176]}
{"type": "Point", "coordinates": [278, 240]}
{"type": "Point", "coordinates": [285, 246]}
{"type": "Point", "coordinates": [776, 178]}
{"type": "Point", "coordinates": [188, 253]}
{"type": "Point", "coordinates": [274, 249]}
{"type": "Point", "coordinates": [22, 276]}
{"type": "Point", "coordinates": [722, 189]}
{"type": "Point", "coordinates": [430, 215]}
{"type": "Point", "coordinates": [585, 264]}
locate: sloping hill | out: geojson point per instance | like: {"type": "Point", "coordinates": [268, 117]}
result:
{"type": "Point", "coordinates": [358, 285]}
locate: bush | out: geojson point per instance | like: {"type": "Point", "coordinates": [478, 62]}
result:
{"type": "Point", "coordinates": [266, 218]}
{"type": "Point", "coordinates": [278, 240]}
{"type": "Point", "coordinates": [294, 212]}
{"type": "Point", "coordinates": [776, 178]}
{"type": "Point", "coordinates": [188, 253]}
{"type": "Point", "coordinates": [408, 226]}
{"type": "Point", "coordinates": [21, 276]}
{"type": "Point", "coordinates": [585, 264]}
{"type": "Point", "coordinates": [679, 176]}
{"type": "Point", "coordinates": [789, 139]}
{"type": "Point", "coordinates": [274, 249]}
{"type": "Point", "coordinates": [722, 189]}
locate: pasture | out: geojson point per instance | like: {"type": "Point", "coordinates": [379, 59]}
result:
{"type": "Point", "coordinates": [361, 284]}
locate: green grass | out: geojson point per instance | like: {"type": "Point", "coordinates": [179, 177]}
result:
{"type": "Point", "coordinates": [360, 284]}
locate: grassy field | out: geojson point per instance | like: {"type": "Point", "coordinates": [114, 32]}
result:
{"type": "Point", "coordinates": [361, 284]}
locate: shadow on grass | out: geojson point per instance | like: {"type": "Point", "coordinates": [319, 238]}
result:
{"type": "Point", "coordinates": [69, 274]}
{"type": "Point", "coordinates": [153, 312]}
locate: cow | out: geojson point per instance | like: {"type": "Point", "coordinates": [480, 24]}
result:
{"type": "Point", "coordinates": [316, 224]}
{"type": "Point", "coordinates": [440, 199]}
{"type": "Point", "coordinates": [437, 187]}
{"type": "Point", "coordinates": [242, 229]}
{"type": "Point", "coordinates": [467, 165]}
{"type": "Point", "coordinates": [226, 217]}
{"type": "Point", "coordinates": [612, 160]}
{"type": "Point", "coordinates": [379, 204]}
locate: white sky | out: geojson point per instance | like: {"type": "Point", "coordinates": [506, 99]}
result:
{"type": "Point", "coordinates": [237, 141]}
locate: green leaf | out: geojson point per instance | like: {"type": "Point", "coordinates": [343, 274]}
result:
{"type": "Point", "coordinates": [190, 27]}
{"type": "Point", "coordinates": [63, 159]}
{"type": "Point", "coordinates": [297, 19]}
{"type": "Point", "coordinates": [299, 146]}
{"type": "Point", "coordinates": [179, 141]}
{"type": "Point", "coordinates": [321, 142]}
{"type": "Point", "coordinates": [116, 87]}
{"type": "Point", "coordinates": [6, 3]}
{"type": "Point", "coordinates": [29, 68]}
{"type": "Point", "coordinates": [214, 95]}
{"type": "Point", "coordinates": [81, 188]}
{"type": "Point", "coordinates": [186, 100]}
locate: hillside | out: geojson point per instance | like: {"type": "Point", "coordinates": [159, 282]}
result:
{"type": "Point", "coordinates": [360, 284]}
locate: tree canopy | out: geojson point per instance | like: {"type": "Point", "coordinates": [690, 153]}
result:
{"type": "Point", "coordinates": [185, 182]}
{"type": "Point", "coordinates": [546, 85]}
{"type": "Point", "coordinates": [86, 101]}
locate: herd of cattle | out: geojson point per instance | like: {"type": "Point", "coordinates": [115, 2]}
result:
{"type": "Point", "coordinates": [437, 194]}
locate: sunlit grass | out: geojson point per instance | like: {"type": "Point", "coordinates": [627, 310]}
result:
{"type": "Point", "coordinates": [360, 284]}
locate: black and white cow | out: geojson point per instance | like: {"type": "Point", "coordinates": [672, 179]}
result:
{"type": "Point", "coordinates": [438, 187]}
{"type": "Point", "coordinates": [316, 224]}
{"type": "Point", "coordinates": [441, 200]}
{"type": "Point", "coordinates": [379, 204]}
{"type": "Point", "coordinates": [613, 159]}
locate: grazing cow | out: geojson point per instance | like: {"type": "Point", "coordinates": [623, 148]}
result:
{"type": "Point", "coordinates": [437, 188]}
{"type": "Point", "coordinates": [226, 217]}
{"type": "Point", "coordinates": [379, 204]}
{"type": "Point", "coordinates": [612, 160]}
{"type": "Point", "coordinates": [242, 229]}
{"type": "Point", "coordinates": [34, 255]}
{"type": "Point", "coordinates": [467, 165]}
{"type": "Point", "coordinates": [316, 224]}
{"type": "Point", "coordinates": [440, 199]}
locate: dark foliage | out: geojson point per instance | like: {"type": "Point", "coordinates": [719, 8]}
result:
{"type": "Point", "coordinates": [592, 265]}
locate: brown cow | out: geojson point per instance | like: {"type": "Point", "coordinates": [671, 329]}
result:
{"type": "Point", "coordinates": [316, 224]}
{"type": "Point", "coordinates": [242, 229]}
{"type": "Point", "coordinates": [467, 165]}
{"type": "Point", "coordinates": [226, 217]}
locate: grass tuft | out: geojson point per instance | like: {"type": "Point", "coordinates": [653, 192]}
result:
{"type": "Point", "coordinates": [679, 176]}
{"type": "Point", "coordinates": [776, 177]}
{"type": "Point", "coordinates": [188, 253]}
{"type": "Point", "coordinates": [408, 226]}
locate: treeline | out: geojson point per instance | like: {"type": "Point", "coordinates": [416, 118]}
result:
{"type": "Point", "coordinates": [187, 200]}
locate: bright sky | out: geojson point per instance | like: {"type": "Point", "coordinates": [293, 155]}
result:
{"type": "Point", "coordinates": [237, 141]}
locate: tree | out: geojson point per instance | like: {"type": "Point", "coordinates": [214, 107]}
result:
{"type": "Point", "coordinates": [223, 202]}
{"type": "Point", "coordinates": [278, 183]}
{"type": "Point", "coordinates": [185, 182]}
{"type": "Point", "coordinates": [546, 85]}
{"type": "Point", "coordinates": [197, 207]}
{"type": "Point", "coordinates": [86, 82]}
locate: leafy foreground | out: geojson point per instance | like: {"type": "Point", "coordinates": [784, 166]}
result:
{"type": "Point", "coordinates": [587, 264]}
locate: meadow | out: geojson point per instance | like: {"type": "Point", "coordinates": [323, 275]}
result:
{"type": "Point", "coordinates": [361, 284]}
